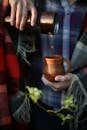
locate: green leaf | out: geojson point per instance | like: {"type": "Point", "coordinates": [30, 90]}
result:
{"type": "Point", "coordinates": [34, 93]}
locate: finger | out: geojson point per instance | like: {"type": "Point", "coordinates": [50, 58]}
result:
{"type": "Point", "coordinates": [61, 85]}
{"type": "Point", "coordinates": [23, 21]}
{"type": "Point", "coordinates": [48, 83]}
{"type": "Point", "coordinates": [53, 85]}
{"type": "Point", "coordinates": [54, 89]}
{"type": "Point", "coordinates": [56, 86]}
{"type": "Point", "coordinates": [60, 78]}
{"type": "Point", "coordinates": [13, 12]}
{"type": "Point", "coordinates": [18, 14]}
{"type": "Point", "coordinates": [24, 16]}
{"type": "Point", "coordinates": [68, 76]}
{"type": "Point", "coordinates": [64, 77]}
{"type": "Point", "coordinates": [45, 81]}
{"type": "Point", "coordinates": [33, 15]}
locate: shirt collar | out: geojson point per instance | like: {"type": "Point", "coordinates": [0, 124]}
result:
{"type": "Point", "coordinates": [68, 7]}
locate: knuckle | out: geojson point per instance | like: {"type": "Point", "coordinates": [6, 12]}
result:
{"type": "Point", "coordinates": [25, 3]}
{"type": "Point", "coordinates": [13, 2]}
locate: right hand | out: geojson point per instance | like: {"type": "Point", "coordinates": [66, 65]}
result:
{"type": "Point", "coordinates": [19, 12]}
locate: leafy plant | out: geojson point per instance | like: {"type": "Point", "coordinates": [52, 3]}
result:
{"type": "Point", "coordinates": [34, 93]}
{"type": "Point", "coordinates": [65, 113]}
{"type": "Point", "coordinates": [69, 102]}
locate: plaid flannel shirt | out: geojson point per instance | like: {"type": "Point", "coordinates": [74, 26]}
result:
{"type": "Point", "coordinates": [70, 20]}
{"type": "Point", "coordinates": [12, 102]}
{"type": "Point", "coordinates": [63, 43]}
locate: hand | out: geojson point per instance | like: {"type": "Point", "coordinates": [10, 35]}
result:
{"type": "Point", "coordinates": [62, 82]}
{"type": "Point", "coordinates": [19, 12]}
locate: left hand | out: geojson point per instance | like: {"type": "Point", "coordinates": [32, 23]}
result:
{"type": "Point", "coordinates": [62, 82]}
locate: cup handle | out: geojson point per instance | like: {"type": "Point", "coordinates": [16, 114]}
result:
{"type": "Point", "coordinates": [68, 65]}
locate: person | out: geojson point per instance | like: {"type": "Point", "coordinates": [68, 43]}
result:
{"type": "Point", "coordinates": [71, 14]}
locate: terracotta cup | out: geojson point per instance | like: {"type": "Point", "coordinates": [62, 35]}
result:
{"type": "Point", "coordinates": [53, 65]}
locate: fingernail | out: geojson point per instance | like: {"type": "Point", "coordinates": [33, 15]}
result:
{"type": "Point", "coordinates": [56, 79]}
{"type": "Point", "coordinates": [21, 28]}
{"type": "Point", "coordinates": [63, 78]}
{"type": "Point", "coordinates": [12, 23]}
{"type": "Point", "coordinates": [32, 24]}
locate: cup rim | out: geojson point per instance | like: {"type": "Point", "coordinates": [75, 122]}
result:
{"type": "Point", "coordinates": [53, 57]}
